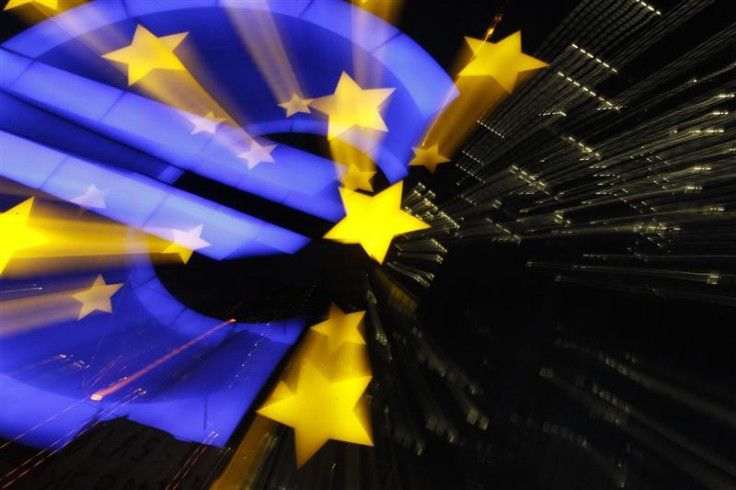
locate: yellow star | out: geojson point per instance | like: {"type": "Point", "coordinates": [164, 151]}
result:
{"type": "Point", "coordinates": [96, 298]}
{"type": "Point", "coordinates": [296, 105]}
{"type": "Point", "coordinates": [429, 157]}
{"type": "Point", "coordinates": [148, 52]}
{"type": "Point", "coordinates": [373, 221]}
{"type": "Point", "coordinates": [502, 60]}
{"type": "Point", "coordinates": [186, 242]}
{"type": "Point", "coordinates": [355, 178]}
{"type": "Point", "coordinates": [52, 4]}
{"type": "Point", "coordinates": [16, 235]}
{"type": "Point", "coordinates": [352, 106]}
{"type": "Point", "coordinates": [94, 197]}
{"type": "Point", "coordinates": [340, 328]}
{"type": "Point", "coordinates": [320, 410]}
{"type": "Point", "coordinates": [257, 154]}
{"type": "Point", "coordinates": [206, 124]}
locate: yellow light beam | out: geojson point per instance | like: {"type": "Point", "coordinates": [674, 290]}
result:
{"type": "Point", "coordinates": [248, 459]}
{"type": "Point", "coordinates": [68, 302]}
{"type": "Point", "coordinates": [51, 4]}
{"type": "Point", "coordinates": [364, 29]}
{"type": "Point", "coordinates": [16, 233]}
{"type": "Point", "coordinates": [263, 41]}
{"type": "Point", "coordinates": [360, 165]}
{"type": "Point", "coordinates": [26, 314]}
{"type": "Point", "coordinates": [492, 71]}
{"type": "Point", "coordinates": [161, 66]}
{"type": "Point", "coordinates": [84, 241]}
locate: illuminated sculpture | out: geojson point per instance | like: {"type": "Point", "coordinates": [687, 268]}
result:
{"type": "Point", "coordinates": [118, 149]}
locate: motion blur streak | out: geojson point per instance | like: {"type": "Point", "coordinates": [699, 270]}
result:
{"type": "Point", "coordinates": [99, 395]}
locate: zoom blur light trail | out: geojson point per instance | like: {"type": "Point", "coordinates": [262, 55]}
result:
{"type": "Point", "coordinates": [156, 208]}
{"type": "Point", "coordinates": [119, 150]}
{"type": "Point", "coordinates": [44, 237]}
{"type": "Point", "coordinates": [489, 73]}
{"type": "Point", "coordinates": [126, 380]}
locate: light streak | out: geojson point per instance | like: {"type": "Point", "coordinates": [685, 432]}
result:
{"type": "Point", "coordinates": [100, 394]}
{"type": "Point", "coordinates": [264, 43]}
